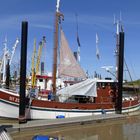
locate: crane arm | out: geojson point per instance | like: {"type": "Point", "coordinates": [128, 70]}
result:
{"type": "Point", "coordinates": [38, 57]}
{"type": "Point", "coordinates": [33, 79]}
{"type": "Point", "coordinates": [13, 51]}
{"type": "Point", "coordinates": [36, 70]}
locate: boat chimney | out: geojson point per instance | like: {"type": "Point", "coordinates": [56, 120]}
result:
{"type": "Point", "coordinates": [42, 68]}
{"type": "Point", "coordinates": [22, 103]}
{"type": "Point", "coordinates": [15, 77]}
{"type": "Point", "coordinates": [120, 73]}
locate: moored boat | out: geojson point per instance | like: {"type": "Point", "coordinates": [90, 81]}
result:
{"type": "Point", "coordinates": [81, 105]}
{"type": "Point", "coordinates": [83, 98]}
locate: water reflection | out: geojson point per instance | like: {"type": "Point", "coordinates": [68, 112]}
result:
{"type": "Point", "coordinates": [131, 131]}
{"type": "Point", "coordinates": [100, 132]}
{"type": "Point", "coordinates": [127, 129]}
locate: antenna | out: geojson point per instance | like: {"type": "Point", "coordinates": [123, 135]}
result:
{"type": "Point", "coordinates": [118, 23]}
{"type": "Point", "coordinates": [121, 25]}
{"type": "Point", "coordinates": [57, 5]}
{"type": "Point", "coordinates": [76, 16]}
{"type": "Point", "coordinates": [108, 69]}
{"type": "Point", "coordinates": [114, 19]}
{"type": "Point", "coordinates": [120, 16]}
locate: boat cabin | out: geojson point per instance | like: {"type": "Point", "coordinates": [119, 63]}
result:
{"type": "Point", "coordinates": [89, 91]}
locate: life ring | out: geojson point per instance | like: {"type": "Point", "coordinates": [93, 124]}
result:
{"type": "Point", "coordinates": [112, 95]}
{"type": "Point", "coordinates": [110, 92]}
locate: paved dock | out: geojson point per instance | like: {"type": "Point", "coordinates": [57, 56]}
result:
{"type": "Point", "coordinates": [63, 122]}
{"type": "Point", "coordinates": [54, 123]}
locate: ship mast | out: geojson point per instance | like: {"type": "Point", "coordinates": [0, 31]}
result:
{"type": "Point", "coordinates": [58, 17]}
{"type": "Point", "coordinates": [118, 29]}
{"type": "Point", "coordinates": [5, 58]}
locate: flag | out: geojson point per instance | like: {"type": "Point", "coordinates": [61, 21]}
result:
{"type": "Point", "coordinates": [97, 39]}
{"type": "Point", "coordinates": [97, 49]}
{"type": "Point", "coordinates": [78, 41]}
{"type": "Point", "coordinates": [97, 53]}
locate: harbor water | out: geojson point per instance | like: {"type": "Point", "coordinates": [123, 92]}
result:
{"type": "Point", "coordinates": [121, 129]}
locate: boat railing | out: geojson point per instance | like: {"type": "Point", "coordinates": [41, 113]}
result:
{"type": "Point", "coordinates": [10, 90]}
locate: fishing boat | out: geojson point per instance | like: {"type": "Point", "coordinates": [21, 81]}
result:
{"type": "Point", "coordinates": [76, 105]}
{"type": "Point", "coordinates": [80, 96]}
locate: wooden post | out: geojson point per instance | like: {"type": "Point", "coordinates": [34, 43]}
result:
{"type": "Point", "coordinates": [120, 73]}
{"type": "Point", "coordinates": [7, 75]}
{"type": "Point", "coordinates": [23, 60]}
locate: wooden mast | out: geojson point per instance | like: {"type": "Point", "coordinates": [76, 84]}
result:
{"type": "Point", "coordinates": [58, 16]}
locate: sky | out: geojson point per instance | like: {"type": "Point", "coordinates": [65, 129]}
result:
{"type": "Point", "coordinates": [94, 16]}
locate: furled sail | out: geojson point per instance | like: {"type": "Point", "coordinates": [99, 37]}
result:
{"type": "Point", "coordinates": [68, 66]}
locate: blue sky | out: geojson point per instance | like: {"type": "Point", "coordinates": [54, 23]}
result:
{"type": "Point", "coordinates": [94, 16]}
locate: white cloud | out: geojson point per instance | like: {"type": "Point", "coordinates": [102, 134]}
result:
{"type": "Point", "coordinates": [90, 20]}
{"type": "Point", "coordinates": [37, 20]}
{"type": "Point", "coordinates": [42, 26]}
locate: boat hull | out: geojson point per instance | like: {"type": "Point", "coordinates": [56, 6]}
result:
{"type": "Point", "coordinates": [39, 109]}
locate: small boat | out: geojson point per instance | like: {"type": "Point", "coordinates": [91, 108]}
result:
{"type": "Point", "coordinates": [85, 97]}
{"type": "Point", "coordinates": [44, 137]}
{"type": "Point", "coordinates": [4, 134]}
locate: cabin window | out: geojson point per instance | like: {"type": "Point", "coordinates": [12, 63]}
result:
{"type": "Point", "coordinates": [103, 85]}
{"type": "Point", "coordinates": [40, 80]}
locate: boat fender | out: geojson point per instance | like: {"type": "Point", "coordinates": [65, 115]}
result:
{"type": "Point", "coordinates": [44, 137]}
{"type": "Point", "coordinates": [60, 116]}
{"type": "Point", "coordinates": [103, 111]}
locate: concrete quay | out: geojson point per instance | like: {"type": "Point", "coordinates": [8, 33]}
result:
{"type": "Point", "coordinates": [12, 126]}
{"type": "Point", "coordinates": [64, 122]}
